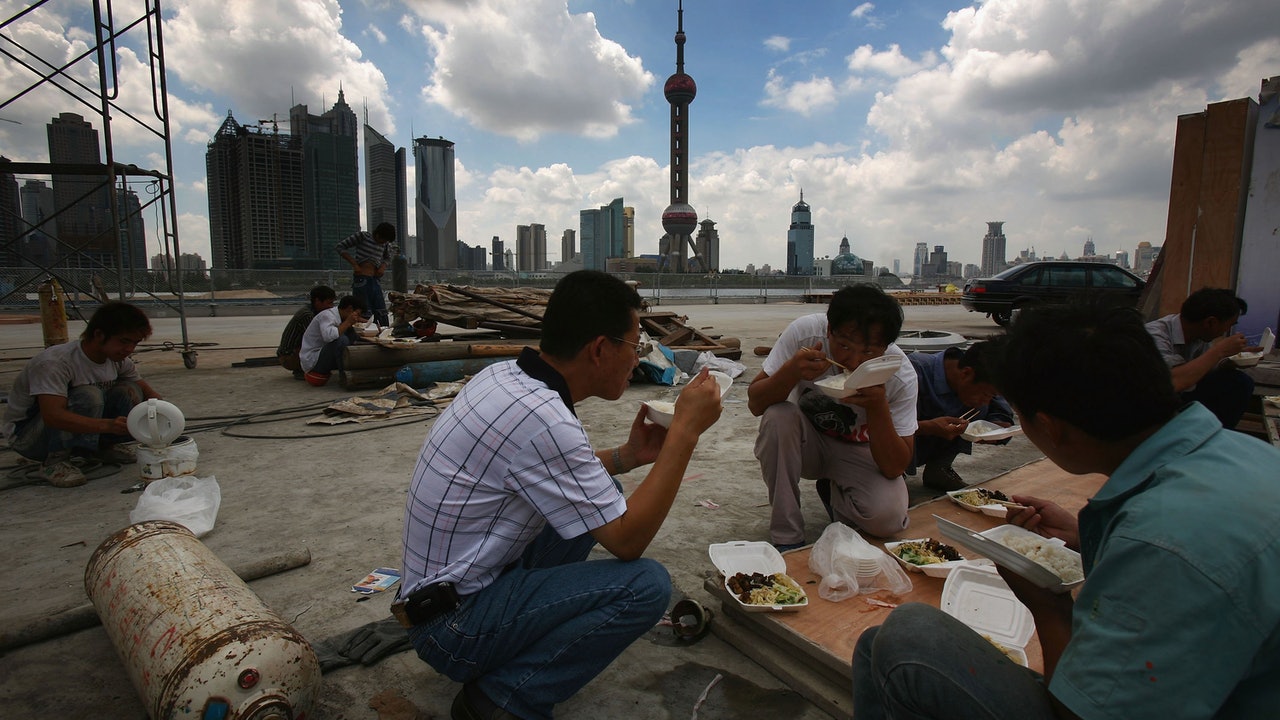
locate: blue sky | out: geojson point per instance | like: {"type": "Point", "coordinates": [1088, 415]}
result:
{"type": "Point", "coordinates": [903, 122]}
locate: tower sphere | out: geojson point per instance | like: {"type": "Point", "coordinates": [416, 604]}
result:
{"type": "Point", "coordinates": [680, 219]}
{"type": "Point", "coordinates": [680, 88]}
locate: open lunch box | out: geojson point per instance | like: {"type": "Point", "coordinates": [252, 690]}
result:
{"type": "Point", "coordinates": [731, 558]}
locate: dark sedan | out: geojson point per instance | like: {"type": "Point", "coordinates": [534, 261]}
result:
{"type": "Point", "coordinates": [1047, 281]}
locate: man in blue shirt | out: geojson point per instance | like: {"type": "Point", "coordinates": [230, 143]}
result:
{"type": "Point", "coordinates": [953, 383]}
{"type": "Point", "coordinates": [1181, 550]}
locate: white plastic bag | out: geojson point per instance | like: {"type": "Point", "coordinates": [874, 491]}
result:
{"type": "Point", "coordinates": [849, 565]}
{"type": "Point", "coordinates": [189, 501]}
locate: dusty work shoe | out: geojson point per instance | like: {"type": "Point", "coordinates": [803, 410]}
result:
{"type": "Point", "coordinates": [119, 454]}
{"type": "Point", "coordinates": [943, 477]}
{"type": "Point", "coordinates": [824, 493]}
{"type": "Point", "coordinates": [472, 704]}
{"type": "Point", "coordinates": [62, 473]}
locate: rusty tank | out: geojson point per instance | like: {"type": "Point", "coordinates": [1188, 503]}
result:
{"type": "Point", "coordinates": [197, 642]}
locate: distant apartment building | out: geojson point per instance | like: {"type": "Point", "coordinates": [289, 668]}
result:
{"type": "Point", "coordinates": [499, 257]}
{"type": "Point", "coordinates": [82, 202]}
{"type": "Point", "coordinates": [800, 239]}
{"type": "Point", "coordinates": [1122, 259]}
{"type": "Point", "coordinates": [1144, 257]}
{"type": "Point", "coordinates": [1090, 250]}
{"type": "Point", "coordinates": [386, 188]}
{"type": "Point", "coordinates": [603, 234]}
{"type": "Point", "coordinates": [255, 200]}
{"type": "Point", "coordinates": [185, 261]}
{"type": "Point", "coordinates": [920, 259]}
{"type": "Point", "coordinates": [330, 177]}
{"type": "Point", "coordinates": [35, 243]}
{"type": "Point", "coordinates": [993, 249]}
{"type": "Point", "coordinates": [435, 203]}
{"type": "Point", "coordinates": [531, 247]}
{"type": "Point", "coordinates": [569, 244]}
{"type": "Point", "coordinates": [471, 259]}
{"type": "Point", "coordinates": [12, 227]}
{"type": "Point", "coordinates": [133, 230]}
{"type": "Point", "coordinates": [628, 232]}
{"type": "Point", "coordinates": [707, 245]}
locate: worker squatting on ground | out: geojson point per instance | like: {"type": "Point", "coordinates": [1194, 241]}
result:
{"type": "Point", "coordinates": [71, 401]}
{"type": "Point", "coordinates": [330, 331]}
{"type": "Point", "coordinates": [1181, 552]}
{"type": "Point", "coordinates": [856, 448]}
{"type": "Point", "coordinates": [508, 496]}
{"type": "Point", "coordinates": [289, 351]}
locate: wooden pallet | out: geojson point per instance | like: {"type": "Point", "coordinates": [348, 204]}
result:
{"type": "Point", "coordinates": [670, 330]}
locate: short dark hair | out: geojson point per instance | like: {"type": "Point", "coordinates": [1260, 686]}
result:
{"type": "Point", "coordinates": [1207, 303]}
{"type": "Point", "coordinates": [1089, 363]}
{"type": "Point", "coordinates": [117, 318]}
{"type": "Point", "coordinates": [384, 231]}
{"type": "Point", "coordinates": [865, 305]}
{"type": "Point", "coordinates": [585, 305]}
{"type": "Point", "coordinates": [351, 301]}
{"type": "Point", "coordinates": [322, 293]}
{"type": "Point", "coordinates": [982, 356]}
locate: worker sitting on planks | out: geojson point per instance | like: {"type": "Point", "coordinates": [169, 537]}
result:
{"type": "Point", "coordinates": [72, 401]}
{"type": "Point", "coordinates": [956, 389]}
{"type": "Point", "coordinates": [508, 498]}
{"type": "Point", "coordinates": [857, 448]}
{"type": "Point", "coordinates": [1196, 343]}
{"type": "Point", "coordinates": [321, 298]}
{"type": "Point", "coordinates": [1180, 549]}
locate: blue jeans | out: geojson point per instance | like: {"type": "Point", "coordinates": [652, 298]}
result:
{"type": "Point", "coordinates": [330, 357]}
{"type": "Point", "coordinates": [34, 440]}
{"type": "Point", "coordinates": [1226, 391]}
{"type": "Point", "coordinates": [923, 663]}
{"type": "Point", "coordinates": [369, 289]}
{"type": "Point", "coordinates": [546, 626]}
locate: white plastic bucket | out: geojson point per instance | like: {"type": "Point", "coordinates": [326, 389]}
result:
{"type": "Point", "coordinates": [172, 460]}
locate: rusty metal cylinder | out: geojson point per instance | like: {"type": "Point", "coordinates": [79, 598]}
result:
{"type": "Point", "coordinates": [197, 642]}
{"type": "Point", "coordinates": [53, 312]}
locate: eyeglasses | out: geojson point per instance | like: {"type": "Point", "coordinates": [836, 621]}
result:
{"type": "Point", "coordinates": [858, 347]}
{"type": "Point", "coordinates": [639, 347]}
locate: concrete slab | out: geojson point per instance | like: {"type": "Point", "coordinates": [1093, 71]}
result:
{"type": "Point", "coordinates": [341, 494]}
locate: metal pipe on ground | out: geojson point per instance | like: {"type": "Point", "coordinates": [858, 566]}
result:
{"type": "Point", "coordinates": [84, 616]}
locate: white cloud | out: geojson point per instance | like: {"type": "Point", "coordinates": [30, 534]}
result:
{"type": "Point", "coordinates": [376, 33]}
{"type": "Point", "coordinates": [778, 43]}
{"type": "Point", "coordinates": [862, 10]}
{"type": "Point", "coordinates": [805, 97]}
{"type": "Point", "coordinates": [891, 62]}
{"type": "Point", "coordinates": [525, 68]}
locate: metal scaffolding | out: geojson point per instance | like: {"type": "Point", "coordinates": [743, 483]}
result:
{"type": "Point", "coordinates": [70, 79]}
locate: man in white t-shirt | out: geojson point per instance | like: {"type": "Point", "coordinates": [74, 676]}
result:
{"type": "Point", "coordinates": [856, 448]}
{"type": "Point", "coordinates": [331, 330]}
{"type": "Point", "coordinates": [72, 400]}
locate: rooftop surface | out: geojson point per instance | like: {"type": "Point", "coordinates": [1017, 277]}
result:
{"type": "Point", "coordinates": [340, 494]}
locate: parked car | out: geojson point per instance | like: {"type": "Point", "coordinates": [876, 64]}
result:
{"type": "Point", "coordinates": [1048, 281]}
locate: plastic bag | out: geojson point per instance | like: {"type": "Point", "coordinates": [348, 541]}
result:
{"type": "Point", "coordinates": [189, 501]}
{"type": "Point", "coordinates": [849, 565]}
{"type": "Point", "coordinates": [708, 359]}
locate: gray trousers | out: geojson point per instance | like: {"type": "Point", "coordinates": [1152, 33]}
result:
{"type": "Point", "coordinates": [789, 448]}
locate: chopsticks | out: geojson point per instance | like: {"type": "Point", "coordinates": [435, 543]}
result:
{"type": "Point", "coordinates": [969, 415]}
{"type": "Point", "coordinates": [833, 362]}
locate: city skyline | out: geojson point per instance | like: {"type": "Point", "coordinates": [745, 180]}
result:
{"type": "Point", "coordinates": [904, 123]}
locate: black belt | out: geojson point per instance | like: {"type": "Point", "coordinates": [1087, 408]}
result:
{"type": "Point", "coordinates": [426, 604]}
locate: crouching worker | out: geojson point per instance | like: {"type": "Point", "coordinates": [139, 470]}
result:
{"type": "Point", "coordinates": [331, 330]}
{"type": "Point", "coordinates": [508, 497]}
{"type": "Point", "coordinates": [72, 401]}
{"type": "Point", "coordinates": [1180, 550]}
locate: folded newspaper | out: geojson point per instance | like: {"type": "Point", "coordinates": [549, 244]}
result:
{"type": "Point", "coordinates": [377, 581]}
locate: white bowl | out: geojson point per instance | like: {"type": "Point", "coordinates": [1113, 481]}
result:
{"type": "Point", "coordinates": [723, 380]}
{"type": "Point", "coordinates": [660, 412]}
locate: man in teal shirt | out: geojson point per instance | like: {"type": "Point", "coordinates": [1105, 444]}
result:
{"type": "Point", "coordinates": [1179, 614]}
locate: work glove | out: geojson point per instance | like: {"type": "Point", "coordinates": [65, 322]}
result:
{"type": "Point", "coordinates": [366, 645]}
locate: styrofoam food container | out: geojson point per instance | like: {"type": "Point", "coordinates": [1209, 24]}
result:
{"type": "Point", "coordinates": [987, 544]}
{"type": "Point", "coordinates": [660, 412]}
{"type": "Point", "coordinates": [987, 430]}
{"type": "Point", "coordinates": [741, 556]}
{"type": "Point", "coordinates": [942, 569]}
{"type": "Point", "coordinates": [993, 509]}
{"type": "Point", "coordinates": [875, 371]}
{"type": "Point", "coordinates": [977, 596]}
{"type": "Point", "coordinates": [1249, 359]}
{"type": "Point", "coordinates": [155, 423]}
{"type": "Point", "coordinates": [723, 380]}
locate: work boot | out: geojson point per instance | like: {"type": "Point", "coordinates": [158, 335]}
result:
{"type": "Point", "coordinates": [472, 704]}
{"type": "Point", "coordinates": [942, 477]}
{"type": "Point", "coordinates": [59, 471]}
{"type": "Point", "coordinates": [824, 492]}
{"type": "Point", "coordinates": [120, 454]}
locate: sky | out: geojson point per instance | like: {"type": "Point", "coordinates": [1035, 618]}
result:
{"type": "Point", "coordinates": [901, 122]}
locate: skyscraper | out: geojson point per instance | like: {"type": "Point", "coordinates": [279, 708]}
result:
{"type": "Point", "coordinates": [800, 240]}
{"type": "Point", "coordinates": [435, 203]}
{"type": "Point", "coordinates": [330, 179]}
{"type": "Point", "coordinates": [499, 257]}
{"type": "Point", "coordinates": [603, 233]}
{"type": "Point", "coordinates": [36, 245]}
{"type": "Point", "coordinates": [526, 255]}
{"type": "Point", "coordinates": [679, 219]}
{"type": "Point", "coordinates": [386, 188]}
{"type": "Point", "coordinates": [628, 232]}
{"type": "Point", "coordinates": [569, 244]}
{"type": "Point", "coordinates": [1090, 250]}
{"type": "Point", "coordinates": [920, 260]}
{"type": "Point", "coordinates": [82, 202]}
{"type": "Point", "coordinates": [708, 245]}
{"type": "Point", "coordinates": [993, 248]}
{"type": "Point", "coordinates": [133, 229]}
{"type": "Point", "coordinates": [255, 200]}
{"type": "Point", "coordinates": [12, 227]}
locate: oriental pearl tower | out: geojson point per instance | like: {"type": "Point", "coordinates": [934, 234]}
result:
{"type": "Point", "coordinates": [679, 219]}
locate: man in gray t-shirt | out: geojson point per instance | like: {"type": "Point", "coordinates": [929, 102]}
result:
{"type": "Point", "coordinates": [72, 401]}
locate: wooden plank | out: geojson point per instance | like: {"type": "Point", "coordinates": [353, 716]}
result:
{"type": "Point", "coordinates": [1223, 189]}
{"type": "Point", "coordinates": [824, 633]}
{"type": "Point", "coordinates": [678, 337]}
{"type": "Point", "coordinates": [1184, 204]}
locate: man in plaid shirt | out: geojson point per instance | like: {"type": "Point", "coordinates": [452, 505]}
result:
{"type": "Point", "coordinates": [508, 497]}
{"type": "Point", "coordinates": [369, 253]}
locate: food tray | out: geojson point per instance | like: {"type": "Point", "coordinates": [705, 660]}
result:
{"type": "Point", "coordinates": [941, 569]}
{"type": "Point", "coordinates": [741, 556]}
{"type": "Point", "coordinates": [1249, 359]}
{"type": "Point", "coordinates": [994, 509]}
{"type": "Point", "coordinates": [875, 371]}
{"type": "Point", "coordinates": [979, 430]}
{"type": "Point", "coordinates": [978, 597]}
{"type": "Point", "coordinates": [985, 544]}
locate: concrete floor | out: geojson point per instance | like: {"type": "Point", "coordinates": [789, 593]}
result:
{"type": "Point", "coordinates": [342, 498]}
